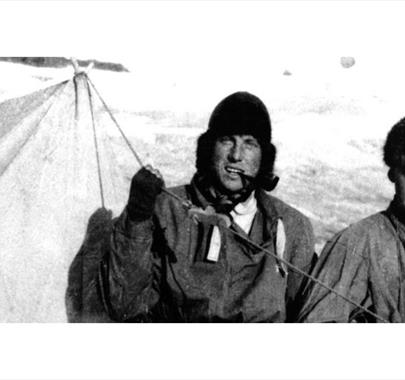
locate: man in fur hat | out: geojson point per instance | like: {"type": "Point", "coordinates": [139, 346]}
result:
{"type": "Point", "coordinates": [169, 263]}
{"type": "Point", "coordinates": [366, 261]}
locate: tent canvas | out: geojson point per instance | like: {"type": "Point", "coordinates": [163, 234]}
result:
{"type": "Point", "coordinates": [52, 159]}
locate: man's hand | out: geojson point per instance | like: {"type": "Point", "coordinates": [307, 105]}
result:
{"type": "Point", "coordinates": [146, 185]}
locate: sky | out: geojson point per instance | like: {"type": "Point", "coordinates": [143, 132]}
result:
{"type": "Point", "coordinates": [198, 39]}
{"type": "Point", "coordinates": [200, 50]}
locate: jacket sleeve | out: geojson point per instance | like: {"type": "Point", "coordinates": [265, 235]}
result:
{"type": "Point", "coordinates": [130, 270]}
{"type": "Point", "coordinates": [343, 265]}
{"type": "Point", "coordinates": [301, 253]}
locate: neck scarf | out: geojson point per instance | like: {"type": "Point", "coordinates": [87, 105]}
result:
{"type": "Point", "coordinates": [240, 207]}
{"type": "Point", "coordinates": [222, 203]}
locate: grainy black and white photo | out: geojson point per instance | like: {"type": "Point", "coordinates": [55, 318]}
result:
{"type": "Point", "coordinates": [203, 162]}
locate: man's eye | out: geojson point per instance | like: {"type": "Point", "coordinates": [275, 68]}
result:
{"type": "Point", "coordinates": [251, 143]}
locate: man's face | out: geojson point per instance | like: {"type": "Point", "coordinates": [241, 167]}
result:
{"type": "Point", "coordinates": [235, 155]}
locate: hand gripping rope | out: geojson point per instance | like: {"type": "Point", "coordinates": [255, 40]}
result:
{"type": "Point", "coordinates": [188, 205]}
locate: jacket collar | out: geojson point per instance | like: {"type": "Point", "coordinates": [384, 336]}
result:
{"type": "Point", "coordinates": [267, 205]}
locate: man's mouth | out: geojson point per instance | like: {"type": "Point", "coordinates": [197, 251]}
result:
{"type": "Point", "coordinates": [234, 171]}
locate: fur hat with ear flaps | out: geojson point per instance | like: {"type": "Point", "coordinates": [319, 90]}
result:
{"type": "Point", "coordinates": [240, 113]}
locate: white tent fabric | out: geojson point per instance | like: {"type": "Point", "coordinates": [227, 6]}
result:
{"type": "Point", "coordinates": [49, 188]}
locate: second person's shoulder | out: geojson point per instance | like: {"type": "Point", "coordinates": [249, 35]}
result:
{"type": "Point", "coordinates": [374, 228]}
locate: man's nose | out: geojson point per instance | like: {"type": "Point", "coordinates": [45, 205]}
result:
{"type": "Point", "coordinates": [236, 153]}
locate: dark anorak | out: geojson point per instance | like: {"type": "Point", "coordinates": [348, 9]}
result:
{"type": "Point", "coordinates": [156, 270]}
{"type": "Point", "coordinates": [366, 263]}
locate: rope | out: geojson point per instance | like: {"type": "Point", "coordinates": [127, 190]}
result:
{"type": "Point", "coordinates": [95, 143]}
{"type": "Point", "coordinates": [115, 122]}
{"type": "Point", "coordinates": [187, 204]}
{"type": "Point", "coordinates": [184, 202]}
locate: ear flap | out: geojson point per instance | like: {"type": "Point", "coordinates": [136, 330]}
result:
{"type": "Point", "coordinates": [205, 146]}
{"type": "Point", "coordinates": [266, 178]}
{"type": "Point", "coordinates": [268, 158]}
